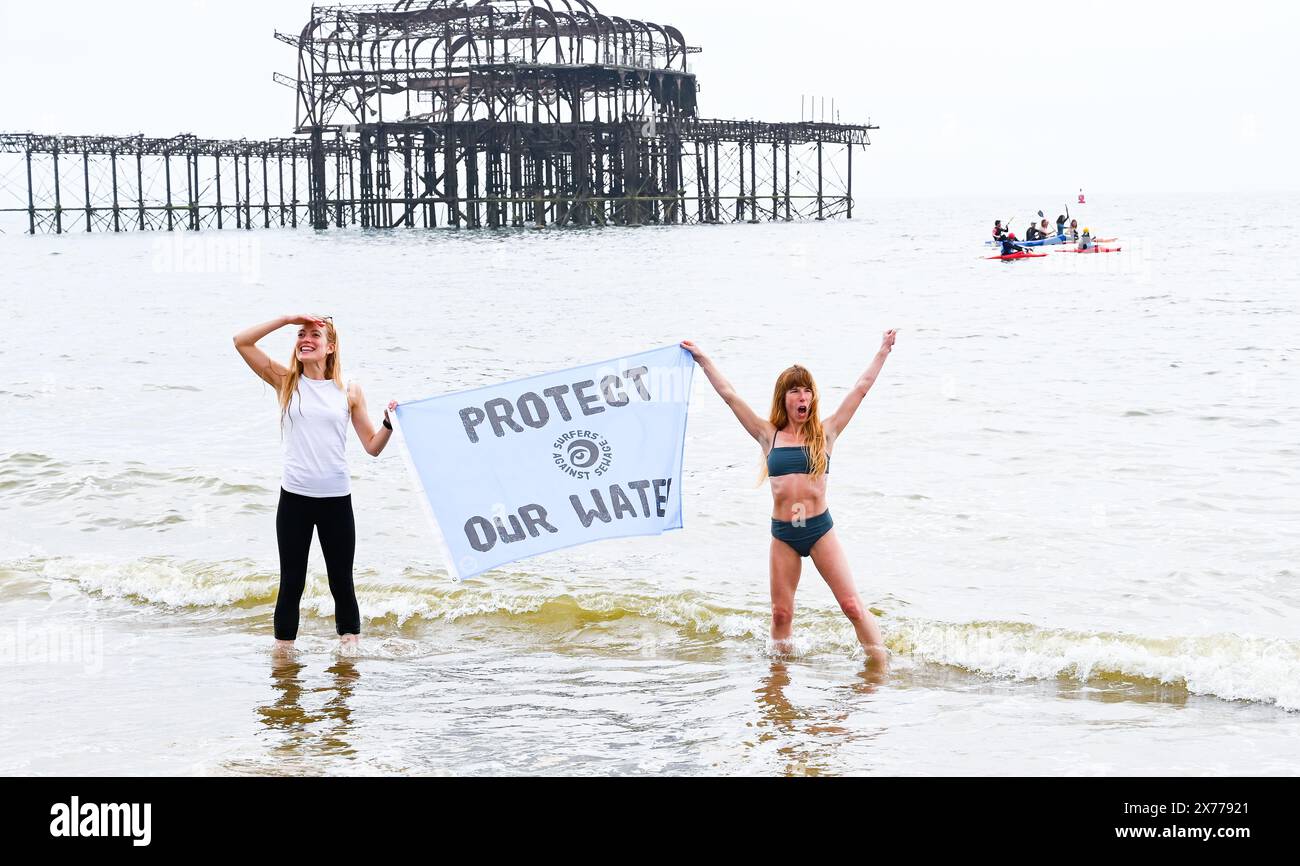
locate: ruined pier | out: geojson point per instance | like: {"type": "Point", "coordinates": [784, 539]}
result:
{"type": "Point", "coordinates": [445, 113]}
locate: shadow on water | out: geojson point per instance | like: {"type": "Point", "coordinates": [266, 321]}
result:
{"type": "Point", "coordinates": [807, 737]}
{"type": "Point", "coordinates": [303, 726]}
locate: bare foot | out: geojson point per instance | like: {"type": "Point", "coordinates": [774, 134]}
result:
{"type": "Point", "coordinates": [781, 647]}
{"type": "Point", "coordinates": [877, 659]}
{"type": "Point", "coordinates": [283, 646]}
{"type": "Point", "coordinates": [349, 643]}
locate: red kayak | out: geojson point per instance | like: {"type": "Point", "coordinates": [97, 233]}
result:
{"type": "Point", "coordinates": [1012, 256]}
{"type": "Point", "coordinates": [1094, 250]}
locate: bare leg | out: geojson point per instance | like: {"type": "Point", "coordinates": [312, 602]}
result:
{"type": "Point", "coordinates": [785, 566]}
{"type": "Point", "coordinates": [828, 556]}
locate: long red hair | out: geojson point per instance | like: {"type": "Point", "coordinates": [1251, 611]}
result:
{"type": "Point", "coordinates": [814, 435]}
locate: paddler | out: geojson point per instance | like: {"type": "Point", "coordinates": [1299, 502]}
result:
{"type": "Point", "coordinates": [1072, 233]}
{"type": "Point", "coordinates": [1009, 245]}
{"type": "Point", "coordinates": [998, 230]}
{"type": "Point", "coordinates": [1033, 234]}
{"type": "Point", "coordinates": [1085, 242]}
{"type": "Point", "coordinates": [1060, 226]}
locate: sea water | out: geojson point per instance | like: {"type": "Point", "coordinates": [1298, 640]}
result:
{"type": "Point", "coordinates": [1070, 498]}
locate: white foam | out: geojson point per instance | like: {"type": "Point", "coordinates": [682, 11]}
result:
{"type": "Point", "coordinates": [158, 581]}
{"type": "Point", "coordinates": [1229, 666]}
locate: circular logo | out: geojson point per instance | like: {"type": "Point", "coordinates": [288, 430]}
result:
{"type": "Point", "coordinates": [582, 454]}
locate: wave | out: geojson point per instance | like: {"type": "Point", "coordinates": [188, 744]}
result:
{"type": "Point", "coordinates": [44, 479]}
{"type": "Point", "coordinates": [429, 597]}
{"type": "Point", "coordinates": [1227, 666]}
{"type": "Point", "coordinates": [170, 583]}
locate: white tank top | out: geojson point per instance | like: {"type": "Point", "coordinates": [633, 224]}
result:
{"type": "Point", "coordinates": [315, 433]}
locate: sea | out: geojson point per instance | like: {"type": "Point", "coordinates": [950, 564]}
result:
{"type": "Point", "coordinates": [1070, 499]}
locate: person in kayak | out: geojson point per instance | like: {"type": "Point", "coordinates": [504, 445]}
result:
{"type": "Point", "coordinates": [1085, 241]}
{"type": "Point", "coordinates": [1009, 245]}
{"type": "Point", "coordinates": [1060, 226]}
{"type": "Point", "coordinates": [1045, 228]}
{"type": "Point", "coordinates": [1033, 234]}
{"type": "Point", "coordinates": [1072, 231]}
{"type": "Point", "coordinates": [998, 230]}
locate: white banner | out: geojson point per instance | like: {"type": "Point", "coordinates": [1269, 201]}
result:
{"type": "Point", "coordinates": [552, 461]}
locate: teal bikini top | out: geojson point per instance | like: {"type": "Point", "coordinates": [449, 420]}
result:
{"type": "Point", "coordinates": [790, 460]}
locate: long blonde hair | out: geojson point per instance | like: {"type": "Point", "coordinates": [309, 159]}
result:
{"type": "Point", "coordinates": [333, 370]}
{"type": "Point", "coordinates": [814, 433]}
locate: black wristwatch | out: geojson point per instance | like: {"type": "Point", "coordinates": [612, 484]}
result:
{"type": "Point", "coordinates": [386, 424]}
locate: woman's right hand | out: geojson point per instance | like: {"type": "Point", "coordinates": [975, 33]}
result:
{"type": "Point", "coordinates": [305, 320]}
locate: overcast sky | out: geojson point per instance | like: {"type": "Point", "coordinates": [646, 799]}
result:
{"type": "Point", "coordinates": [972, 98]}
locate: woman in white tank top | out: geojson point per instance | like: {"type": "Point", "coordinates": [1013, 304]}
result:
{"type": "Point", "coordinates": [315, 487]}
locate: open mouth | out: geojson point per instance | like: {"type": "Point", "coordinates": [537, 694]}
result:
{"type": "Point", "coordinates": [802, 411]}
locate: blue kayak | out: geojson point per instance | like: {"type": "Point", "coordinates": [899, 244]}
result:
{"type": "Point", "coordinates": [1044, 242]}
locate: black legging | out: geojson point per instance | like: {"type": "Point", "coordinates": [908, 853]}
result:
{"type": "Point", "coordinates": [294, 520]}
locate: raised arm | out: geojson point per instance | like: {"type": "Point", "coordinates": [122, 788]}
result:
{"type": "Point", "coordinates": [270, 371]}
{"type": "Point", "coordinates": [757, 427]}
{"type": "Point", "coordinates": [837, 422]}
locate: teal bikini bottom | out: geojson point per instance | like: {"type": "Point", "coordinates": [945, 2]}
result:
{"type": "Point", "coordinates": [802, 538]}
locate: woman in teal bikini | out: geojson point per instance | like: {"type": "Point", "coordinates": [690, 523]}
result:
{"type": "Point", "coordinates": [797, 446]}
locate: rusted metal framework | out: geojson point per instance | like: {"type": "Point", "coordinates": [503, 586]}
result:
{"type": "Point", "coordinates": [458, 113]}
{"type": "Point", "coordinates": [109, 183]}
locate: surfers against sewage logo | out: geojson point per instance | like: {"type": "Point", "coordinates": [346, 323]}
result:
{"type": "Point", "coordinates": [582, 454]}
